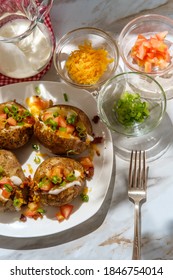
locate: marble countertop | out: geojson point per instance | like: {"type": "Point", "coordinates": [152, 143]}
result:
{"type": "Point", "coordinates": [109, 233]}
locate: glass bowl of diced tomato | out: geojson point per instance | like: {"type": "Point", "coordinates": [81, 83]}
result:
{"type": "Point", "coordinates": [146, 45]}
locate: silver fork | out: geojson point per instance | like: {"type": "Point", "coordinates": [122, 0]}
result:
{"type": "Point", "coordinates": [138, 173]}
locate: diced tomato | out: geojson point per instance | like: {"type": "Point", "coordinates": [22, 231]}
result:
{"type": "Point", "coordinates": [46, 187]}
{"type": "Point", "coordinates": [5, 193]}
{"type": "Point", "coordinates": [47, 115]}
{"type": "Point", "coordinates": [86, 162]}
{"type": "Point", "coordinates": [55, 171]}
{"type": "Point", "coordinates": [88, 166]}
{"type": "Point", "coordinates": [11, 121]}
{"type": "Point", "coordinates": [60, 121]}
{"type": "Point", "coordinates": [66, 210]}
{"type": "Point", "coordinates": [70, 129]}
{"type": "Point", "coordinates": [3, 116]}
{"type": "Point", "coordinates": [148, 67]}
{"type": "Point", "coordinates": [152, 52]}
{"type": "Point", "coordinates": [59, 216]}
{"type": "Point", "coordinates": [161, 35]}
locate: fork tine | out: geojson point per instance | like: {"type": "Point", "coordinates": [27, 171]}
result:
{"type": "Point", "coordinates": [137, 170]}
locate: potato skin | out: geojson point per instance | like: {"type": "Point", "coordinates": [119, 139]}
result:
{"type": "Point", "coordinates": [67, 195]}
{"type": "Point", "coordinates": [60, 145]}
{"type": "Point", "coordinates": [16, 136]}
{"type": "Point", "coordinates": [11, 167]}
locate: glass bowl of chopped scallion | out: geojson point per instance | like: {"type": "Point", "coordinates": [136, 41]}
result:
{"type": "Point", "coordinates": [86, 57]}
{"type": "Point", "coordinates": [126, 105]}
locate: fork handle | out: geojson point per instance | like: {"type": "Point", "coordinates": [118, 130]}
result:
{"type": "Point", "coordinates": [137, 233]}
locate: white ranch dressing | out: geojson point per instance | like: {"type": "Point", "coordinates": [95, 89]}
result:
{"type": "Point", "coordinates": [68, 185]}
{"type": "Point", "coordinates": [16, 180]}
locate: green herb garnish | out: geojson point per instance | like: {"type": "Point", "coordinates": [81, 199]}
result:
{"type": "Point", "coordinates": [37, 160]}
{"type": "Point", "coordinates": [65, 97]}
{"type": "Point", "coordinates": [35, 147]}
{"type": "Point", "coordinates": [37, 90]}
{"type": "Point", "coordinates": [64, 129]}
{"type": "Point", "coordinates": [71, 119]}
{"type": "Point", "coordinates": [41, 211]}
{"type": "Point", "coordinates": [131, 109]}
{"type": "Point", "coordinates": [71, 177]}
{"type": "Point", "coordinates": [85, 197]}
{"type": "Point", "coordinates": [8, 187]}
{"type": "Point", "coordinates": [16, 202]}
{"type": "Point", "coordinates": [56, 179]}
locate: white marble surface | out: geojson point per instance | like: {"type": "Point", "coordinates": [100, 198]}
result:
{"type": "Point", "coordinates": [109, 234]}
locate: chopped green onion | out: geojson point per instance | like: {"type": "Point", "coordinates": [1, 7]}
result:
{"type": "Point", "coordinates": [37, 160]}
{"type": "Point", "coordinates": [56, 179]}
{"type": "Point", "coordinates": [8, 187]}
{"type": "Point", "coordinates": [43, 182]}
{"type": "Point", "coordinates": [62, 129]}
{"type": "Point", "coordinates": [71, 119]}
{"type": "Point", "coordinates": [41, 211]}
{"type": "Point", "coordinates": [6, 110]}
{"type": "Point", "coordinates": [16, 202]}
{"type": "Point", "coordinates": [62, 184]}
{"type": "Point", "coordinates": [130, 109]}
{"type": "Point", "coordinates": [37, 90]}
{"type": "Point", "coordinates": [35, 147]}
{"type": "Point", "coordinates": [71, 177]}
{"type": "Point", "coordinates": [52, 123]}
{"type": "Point", "coordinates": [71, 152]}
{"type": "Point", "coordinates": [66, 97]}
{"type": "Point", "coordinates": [14, 108]}
{"type": "Point", "coordinates": [56, 114]}
{"type": "Point", "coordinates": [85, 197]}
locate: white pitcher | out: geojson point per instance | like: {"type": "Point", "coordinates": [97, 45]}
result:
{"type": "Point", "coordinates": [26, 44]}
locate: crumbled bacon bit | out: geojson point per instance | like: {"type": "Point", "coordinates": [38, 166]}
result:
{"type": "Point", "coordinates": [96, 119]}
{"type": "Point", "coordinates": [97, 140]}
{"type": "Point", "coordinates": [23, 218]}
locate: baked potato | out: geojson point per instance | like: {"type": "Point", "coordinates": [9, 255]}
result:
{"type": "Point", "coordinates": [58, 181]}
{"type": "Point", "coordinates": [14, 188]}
{"type": "Point", "coordinates": [16, 125]}
{"type": "Point", "coordinates": [64, 130]}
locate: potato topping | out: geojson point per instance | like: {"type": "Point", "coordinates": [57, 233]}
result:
{"type": "Point", "coordinates": [87, 65]}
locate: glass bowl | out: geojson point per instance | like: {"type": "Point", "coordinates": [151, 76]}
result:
{"type": "Point", "coordinates": [148, 26]}
{"type": "Point", "coordinates": [126, 106]}
{"type": "Point", "coordinates": [77, 73]}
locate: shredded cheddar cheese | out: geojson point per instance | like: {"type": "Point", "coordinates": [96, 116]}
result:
{"type": "Point", "coordinates": [87, 65]}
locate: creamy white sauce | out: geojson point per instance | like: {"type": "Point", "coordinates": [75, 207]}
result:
{"type": "Point", "coordinates": [68, 185]}
{"type": "Point", "coordinates": [90, 138]}
{"type": "Point", "coordinates": [77, 173]}
{"type": "Point", "coordinates": [16, 180]}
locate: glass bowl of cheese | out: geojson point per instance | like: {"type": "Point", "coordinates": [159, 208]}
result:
{"type": "Point", "coordinates": [86, 57]}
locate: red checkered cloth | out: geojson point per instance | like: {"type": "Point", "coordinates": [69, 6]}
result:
{"type": "Point", "coordinates": [4, 80]}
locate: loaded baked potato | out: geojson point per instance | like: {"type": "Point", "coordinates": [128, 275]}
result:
{"type": "Point", "coordinates": [16, 125]}
{"type": "Point", "coordinates": [58, 181]}
{"type": "Point", "coordinates": [14, 187]}
{"type": "Point", "coordinates": [64, 129]}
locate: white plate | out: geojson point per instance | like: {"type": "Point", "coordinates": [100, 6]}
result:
{"type": "Point", "coordinates": [98, 186]}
